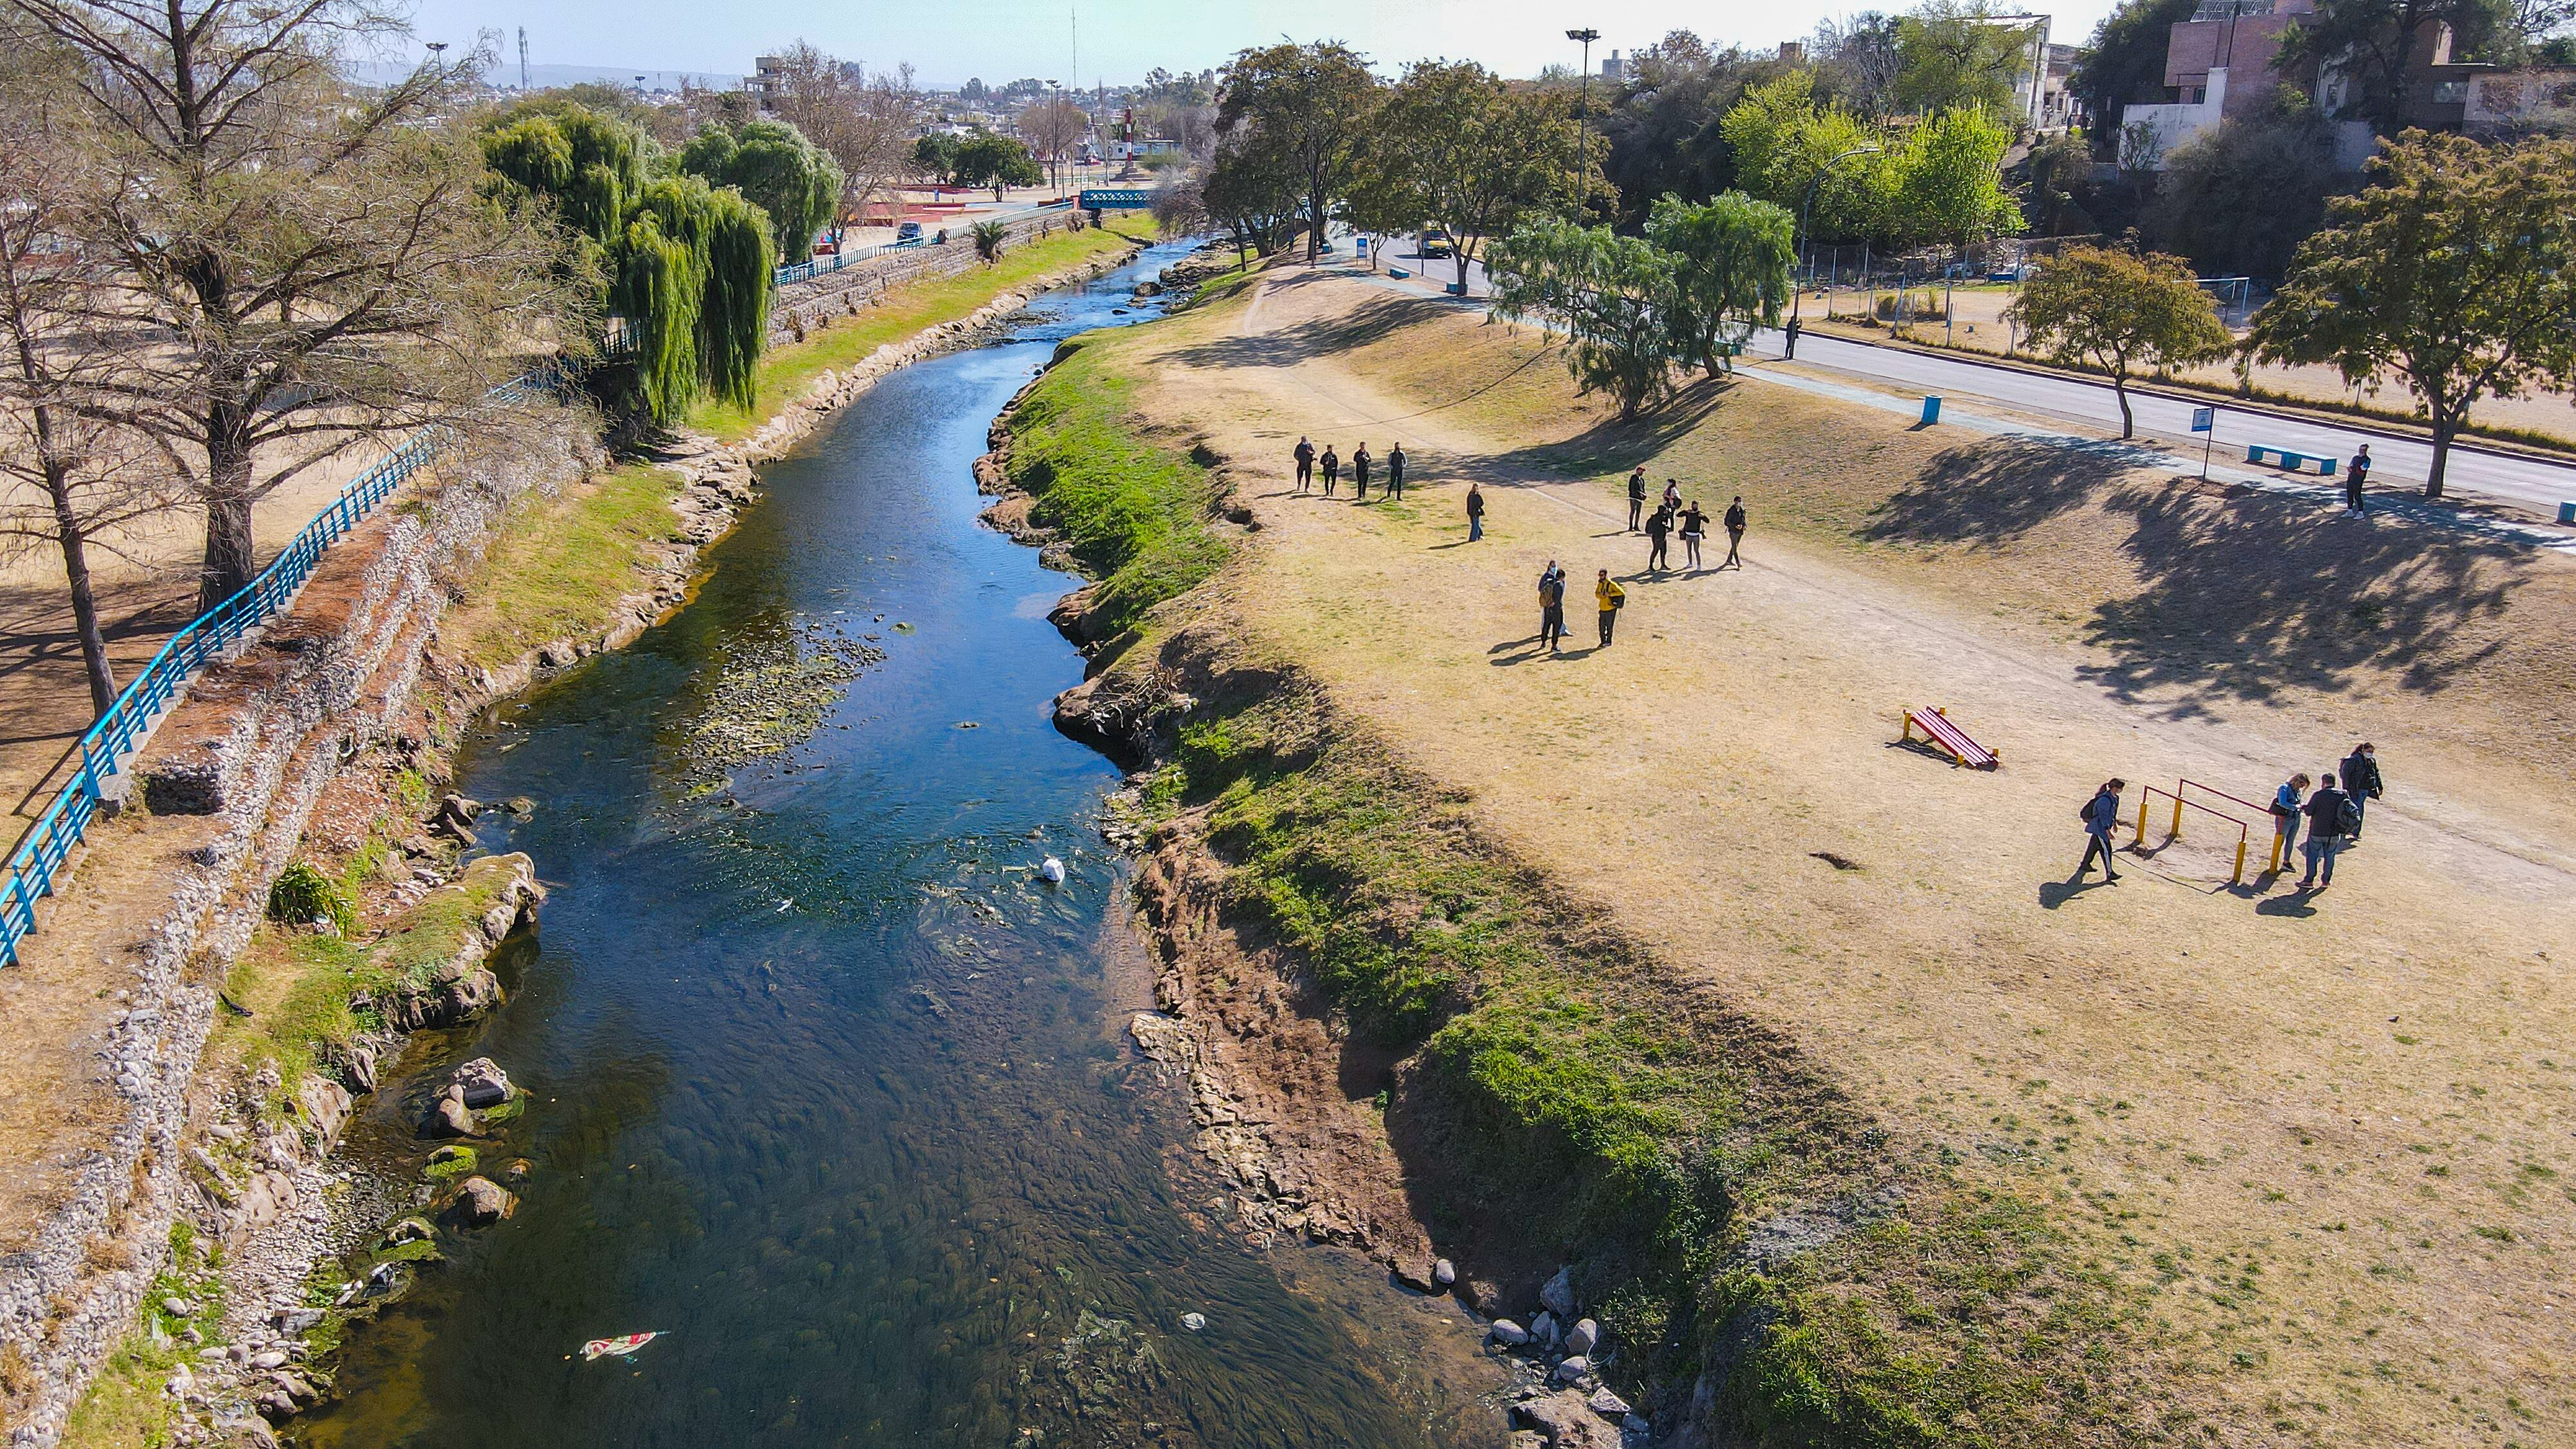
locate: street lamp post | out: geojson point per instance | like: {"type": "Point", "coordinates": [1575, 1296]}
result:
{"type": "Point", "coordinates": [1799, 246]}
{"type": "Point", "coordinates": [1583, 125]}
{"type": "Point", "coordinates": [1055, 148]}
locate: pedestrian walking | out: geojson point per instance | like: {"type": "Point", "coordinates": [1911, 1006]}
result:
{"type": "Point", "coordinates": [1551, 606]}
{"type": "Point", "coordinates": [2361, 780]}
{"type": "Point", "coordinates": [1659, 537]}
{"type": "Point", "coordinates": [1694, 527]}
{"type": "Point", "coordinates": [1395, 473]}
{"type": "Point", "coordinates": [1735, 521]}
{"type": "Point", "coordinates": [2101, 815]}
{"type": "Point", "coordinates": [1305, 464]}
{"type": "Point", "coordinates": [1475, 512]}
{"type": "Point", "coordinates": [2331, 816]}
{"type": "Point", "coordinates": [1672, 495]}
{"type": "Point", "coordinates": [2355, 475]}
{"type": "Point", "coordinates": [2285, 817]}
{"type": "Point", "coordinates": [1606, 590]}
{"type": "Point", "coordinates": [1332, 469]}
{"type": "Point", "coordinates": [1359, 471]}
{"type": "Point", "coordinates": [1636, 497]}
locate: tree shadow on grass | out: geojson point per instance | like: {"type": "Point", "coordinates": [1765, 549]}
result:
{"type": "Point", "coordinates": [2248, 594]}
{"type": "Point", "coordinates": [1316, 337]}
{"type": "Point", "coordinates": [1992, 492]}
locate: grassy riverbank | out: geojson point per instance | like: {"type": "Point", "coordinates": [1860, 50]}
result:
{"type": "Point", "coordinates": [783, 371]}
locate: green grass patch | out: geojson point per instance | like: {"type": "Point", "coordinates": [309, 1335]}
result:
{"type": "Point", "coordinates": [297, 987]}
{"type": "Point", "coordinates": [1136, 515]}
{"type": "Point", "coordinates": [124, 1407]}
{"type": "Point", "coordinates": [560, 565]}
{"type": "Point", "coordinates": [783, 371]}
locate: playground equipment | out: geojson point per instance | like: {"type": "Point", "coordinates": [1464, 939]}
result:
{"type": "Point", "coordinates": [1950, 739]}
{"type": "Point", "coordinates": [2181, 796]}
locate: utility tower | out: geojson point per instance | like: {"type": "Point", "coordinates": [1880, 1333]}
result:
{"type": "Point", "coordinates": [523, 57]}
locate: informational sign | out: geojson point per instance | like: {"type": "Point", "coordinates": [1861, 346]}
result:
{"type": "Point", "coordinates": [2203, 419]}
{"type": "Point", "coordinates": [1102, 198]}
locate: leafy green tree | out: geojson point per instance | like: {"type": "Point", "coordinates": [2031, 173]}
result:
{"type": "Point", "coordinates": [1661, 134]}
{"type": "Point", "coordinates": [1456, 147]}
{"type": "Point", "coordinates": [2454, 270]}
{"type": "Point", "coordinates": [935, 156]}
{"type": "Point", "coordinates": [997, 161]}
{"type": "Point", "coordinates": [1311, 105]}
{"type": "Point", "coordinates": [2120, 312]}
{"type": "Point", "coordinates": [793, 181]}
{"type": "Point", "coordinates": [2239, 198]}
{"type": "Point", "coordinates": [2124, 65]}
{"type": "Point", "coordinates": [1782, 141]}
{"type": "Point", "coordinates": [689, 267]}
{"type": "Point", "coordinates": [1253, 194]}
{"type": "Point", "coordinates": [1950, 178]}
{"type": "Point", "coordinates": [1731, 260]}
{"type": "Point", "coordinates": [1611, 296]}
{"type": "Point", "coordinates": [1951, 55]}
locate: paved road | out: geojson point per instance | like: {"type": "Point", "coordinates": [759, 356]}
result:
{"type": "Point", "coordinates": [2398, 461]}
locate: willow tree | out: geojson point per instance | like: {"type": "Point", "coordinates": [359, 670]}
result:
{"type": "Point", "coordinates": [794, 182]}
{"type": "Point", "coordinates": [687, 265]}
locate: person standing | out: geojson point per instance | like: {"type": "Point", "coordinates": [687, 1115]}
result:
{"type": "Point", "coordinates": [1735, 520]}
{"type": "Point", "coordinates": [2361, 781]}
{"type": "Point", "coordinates": [2328, 811]}
{"type": "Point", "coordinates": [1694, 527]}
{"type": "Point", "coordinates": [1606, 590]}
{"type": "Point", "coordinates": [1359, 471]}
{"type": "Point", "coordinates": [2354, 477]}
{"type": "Point", "coordinates": [1636, 497]}
{"type": "Point", "coordinates": [1305, 464]}
{"type": "Point", "coordinates": [2285, 816]}
{"type": "Point", "coordinates": [1672, 495]}
{"type": "Point", "coordinates": [1395, 473]}
{"type": "Point", "coordinates": [1475, 512]}
{"type": "Point", "coordinates": [1551, 606]}
{"type": "Point", "coordinates": [1332, 469]}
{"type": "Point", "coordinates": [1659, 537]}
{"type": "Point", "coordinates": [2101, 815]}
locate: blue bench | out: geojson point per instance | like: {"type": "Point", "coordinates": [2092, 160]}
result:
{"type": "Point", "coordinates": [2295, 461]}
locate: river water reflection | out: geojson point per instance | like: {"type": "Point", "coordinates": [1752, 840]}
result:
{"type": "Point", "coordinates": [829, 1089]}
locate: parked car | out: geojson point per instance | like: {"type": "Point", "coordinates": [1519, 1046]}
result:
{"type": "Point", "coordinates": [909, 231]}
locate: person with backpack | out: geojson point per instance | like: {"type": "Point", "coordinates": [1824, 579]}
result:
{"type": "Point", "coordinates": [1735, 521]}
{"type": "Point", "coordinates": [2285, 816]}
{"type": "Point", "coordinates": [1606, 590]}
{"type": "Point", "coordinates": [1551, 606]}
{"type": "Point", "coordinates": [2331, 813]}
{"type": "Point", "coordinates": [2361, 781]}
{"type": "Point", "coordinates": [1359, 471]}
{"type": "Point", "coordinates": [1332, 469]}
{"type": "Point", "coordinates": [2101, 815]}
{"type": "Point", "coordinates": [1672, 495]}
{"type": "Point", "coordinates": [1395, 473]}
{"type": "Point", "coordinates": [1659, 538]}
{"type": "Point", "coordinates": [1475, 512]}
{"type": "Point", "coordinates": [1305, 456]}
{"type": "Point", "coordinates": [1636, 497]}
{"type": "Point", "coordinates": [1694, 527]}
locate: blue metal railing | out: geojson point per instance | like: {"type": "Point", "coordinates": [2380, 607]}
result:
{"type": "Point", "coordinates": [106, 745]}
{"type": "Point", "coordinates": [806, 271]}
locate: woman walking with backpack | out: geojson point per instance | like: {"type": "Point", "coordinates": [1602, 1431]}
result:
{"type": "Point", "coordinates": [2101, 815]}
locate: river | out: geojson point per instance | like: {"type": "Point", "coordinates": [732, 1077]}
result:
{"type": "Point", "coordinates": [828, 1088]}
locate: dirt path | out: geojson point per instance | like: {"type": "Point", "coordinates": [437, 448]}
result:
{"type": "Point", "coordinates": [2329, 1133]}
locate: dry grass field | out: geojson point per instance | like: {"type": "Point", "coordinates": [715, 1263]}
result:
{"type": "Point", "coordinates": [2325, 1139]}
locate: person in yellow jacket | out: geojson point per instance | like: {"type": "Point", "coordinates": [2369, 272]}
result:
{"type": "Point", "coordinates": [1607, 590]}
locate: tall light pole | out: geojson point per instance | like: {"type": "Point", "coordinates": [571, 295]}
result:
{"type": "Point", "coordinates": [1798, 245]}
{"type": "Point", "coordinates": [1583, 125]}
{"type": "Point", "coordinates": [1055, 150]}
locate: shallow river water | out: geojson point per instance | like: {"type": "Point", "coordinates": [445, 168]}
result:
{"type": "Point", "coordinates": [828, 1088]}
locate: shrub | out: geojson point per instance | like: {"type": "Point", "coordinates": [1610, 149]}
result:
{"type": "Point", "coordinates": [301, 894]}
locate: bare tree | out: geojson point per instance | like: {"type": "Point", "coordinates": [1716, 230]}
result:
{"type": "Point", "coordinates": [867, 122]}
{"type": "Point", "coordinates": [70, 475]}
{"type": "Point", "coordinates": [1052, 127]}
{"type": "Point", "coordinates": [302, 267]}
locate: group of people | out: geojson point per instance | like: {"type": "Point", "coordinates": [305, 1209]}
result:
{"type": "Point", "coordinates": [1308, 458]}
{"type": "Point", "coordinates": [1670, 517]}
{"type": "Point", "coordinates": [2332, 813]}
{"type": "Point", "coordinates": [1551, 605]}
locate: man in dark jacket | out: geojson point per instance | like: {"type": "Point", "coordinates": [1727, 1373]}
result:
{"type": "Point", "coordinates": [1659, 538]}
{"type": "Point", "coordinates": [2361, 780]}
{"type": "Point", "coordinates": [2101, 815]}
{"type": "Point", "coordinates": [1636, 497]}
{"type": "Point", "coordinates": [1305, 465]}
{"type": "Point", "coordinates": [2326, 821]}
{"type": "Point", "coordinates": [1735, 521]}
{"type": "Point", "coordinates": [1551, 606]}
{"type": "Point", "coordinates": [1395, 473]}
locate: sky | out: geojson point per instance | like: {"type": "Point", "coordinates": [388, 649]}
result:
{"type": "Point", "coordinates": [1119, 40]}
